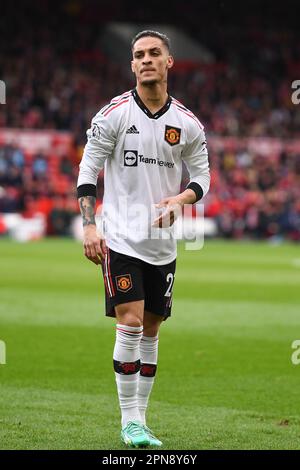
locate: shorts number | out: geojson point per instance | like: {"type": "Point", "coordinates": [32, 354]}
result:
{"type": "Point", "coordinates": [170, 279]}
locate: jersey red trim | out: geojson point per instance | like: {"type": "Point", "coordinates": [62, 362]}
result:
{"type": "Point", "coordinates": [191, 116]}
{"type": "Point", "coordinates": [114, 107]}
{"type": "Point", "coordinates": [116, 100]}
{"type": "Point", "coordinates": [185, 110]}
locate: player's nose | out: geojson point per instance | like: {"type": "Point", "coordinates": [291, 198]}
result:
{"type": "Point", "coordinates": [147, 60]}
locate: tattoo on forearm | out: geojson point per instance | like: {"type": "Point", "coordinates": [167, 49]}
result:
{"type": "Point", "coordinates": [87, 208]}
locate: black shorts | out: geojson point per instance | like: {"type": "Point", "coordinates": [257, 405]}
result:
{"type": "Point", "coordinates": [128, 279]}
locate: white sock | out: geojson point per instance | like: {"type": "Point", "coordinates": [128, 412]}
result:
{"type": "Point", "coordinates": [149, 353]}
{"type": "Point", "coordinates": [127, 366]}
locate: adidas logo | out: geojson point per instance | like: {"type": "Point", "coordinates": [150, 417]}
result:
{"type": "Point", "coordinates": [132, 130]}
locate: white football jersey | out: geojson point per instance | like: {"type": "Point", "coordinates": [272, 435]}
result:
{"type": "Point", "coordinates": [142, 156]}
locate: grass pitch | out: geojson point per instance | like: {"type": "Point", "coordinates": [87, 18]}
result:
{"type": "Point", "coordinates": [225, 378]}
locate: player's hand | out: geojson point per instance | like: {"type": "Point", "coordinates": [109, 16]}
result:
{"type": "Point", "coordinates": [93, 244]}
{"type": "Point", "coordinates": [172, 209]}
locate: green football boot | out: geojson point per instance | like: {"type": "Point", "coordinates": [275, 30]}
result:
{"type": "Point", "coordinates": [134, 435]}
{"type": "Point", "coordinates": [153, 440]}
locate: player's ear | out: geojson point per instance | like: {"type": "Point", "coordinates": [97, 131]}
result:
{"type": "Point", "coordinates": [170, 62]}
{"type": "Point", "coordinates": [132, 66]}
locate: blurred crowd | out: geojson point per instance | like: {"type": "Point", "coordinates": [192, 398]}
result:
{"type": "Point", "coordinates": [58, 77]}
{"type": "Point", "coordinates": [39, 183]}
{"type": "Point", "coordinates": [252, 195]}
{"type": "Point", "coordinates": [255, 196]}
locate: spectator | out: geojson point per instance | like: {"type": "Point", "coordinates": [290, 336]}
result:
{"type": "Point", "coordinates": [40, 166]}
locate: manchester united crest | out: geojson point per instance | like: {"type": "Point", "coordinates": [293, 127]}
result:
{"type": "Point", "coordinates": [124, 282]}
{"type": "Point", "coordinates": [172, 135]}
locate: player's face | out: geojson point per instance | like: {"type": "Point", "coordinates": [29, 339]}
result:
{"type": "Point", "coordinates": [151, 61]}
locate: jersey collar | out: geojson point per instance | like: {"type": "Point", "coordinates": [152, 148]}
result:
{"type": "Point", "coordinates": [144, 108]}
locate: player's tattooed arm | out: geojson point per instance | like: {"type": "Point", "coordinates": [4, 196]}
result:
{"type": "Point", "coordinates": [87, 206]}
{"type": "Point", "coordinates": [94, 245]}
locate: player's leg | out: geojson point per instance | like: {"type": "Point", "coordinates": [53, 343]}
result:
{"type": "Point", "coordinates": [127, 366]}
{"type": "Point", "coordinates": [158, 300]}
{"type": "Point", "coordinates": [126, 357]}
{"type": "Point", "coordinates": [125, 301]}
{"type": "Point", "coordinates": [149, 356]}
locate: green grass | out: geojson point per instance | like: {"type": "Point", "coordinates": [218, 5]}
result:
{"type": "Point", "coordinates": [225, 377]}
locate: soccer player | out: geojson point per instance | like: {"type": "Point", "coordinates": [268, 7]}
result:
{"type": "Point", "coordinates": [141, 139]}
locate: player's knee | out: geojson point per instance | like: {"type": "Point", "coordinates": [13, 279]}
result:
{"type": "Point", "coordinates": [130, 319]}
{"type": "Point", "coordinates": [151, 330]}
{"type": "Point", "coordinates": [130, 314]}
{"type": "Point", "coordinates": [151, 324]}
